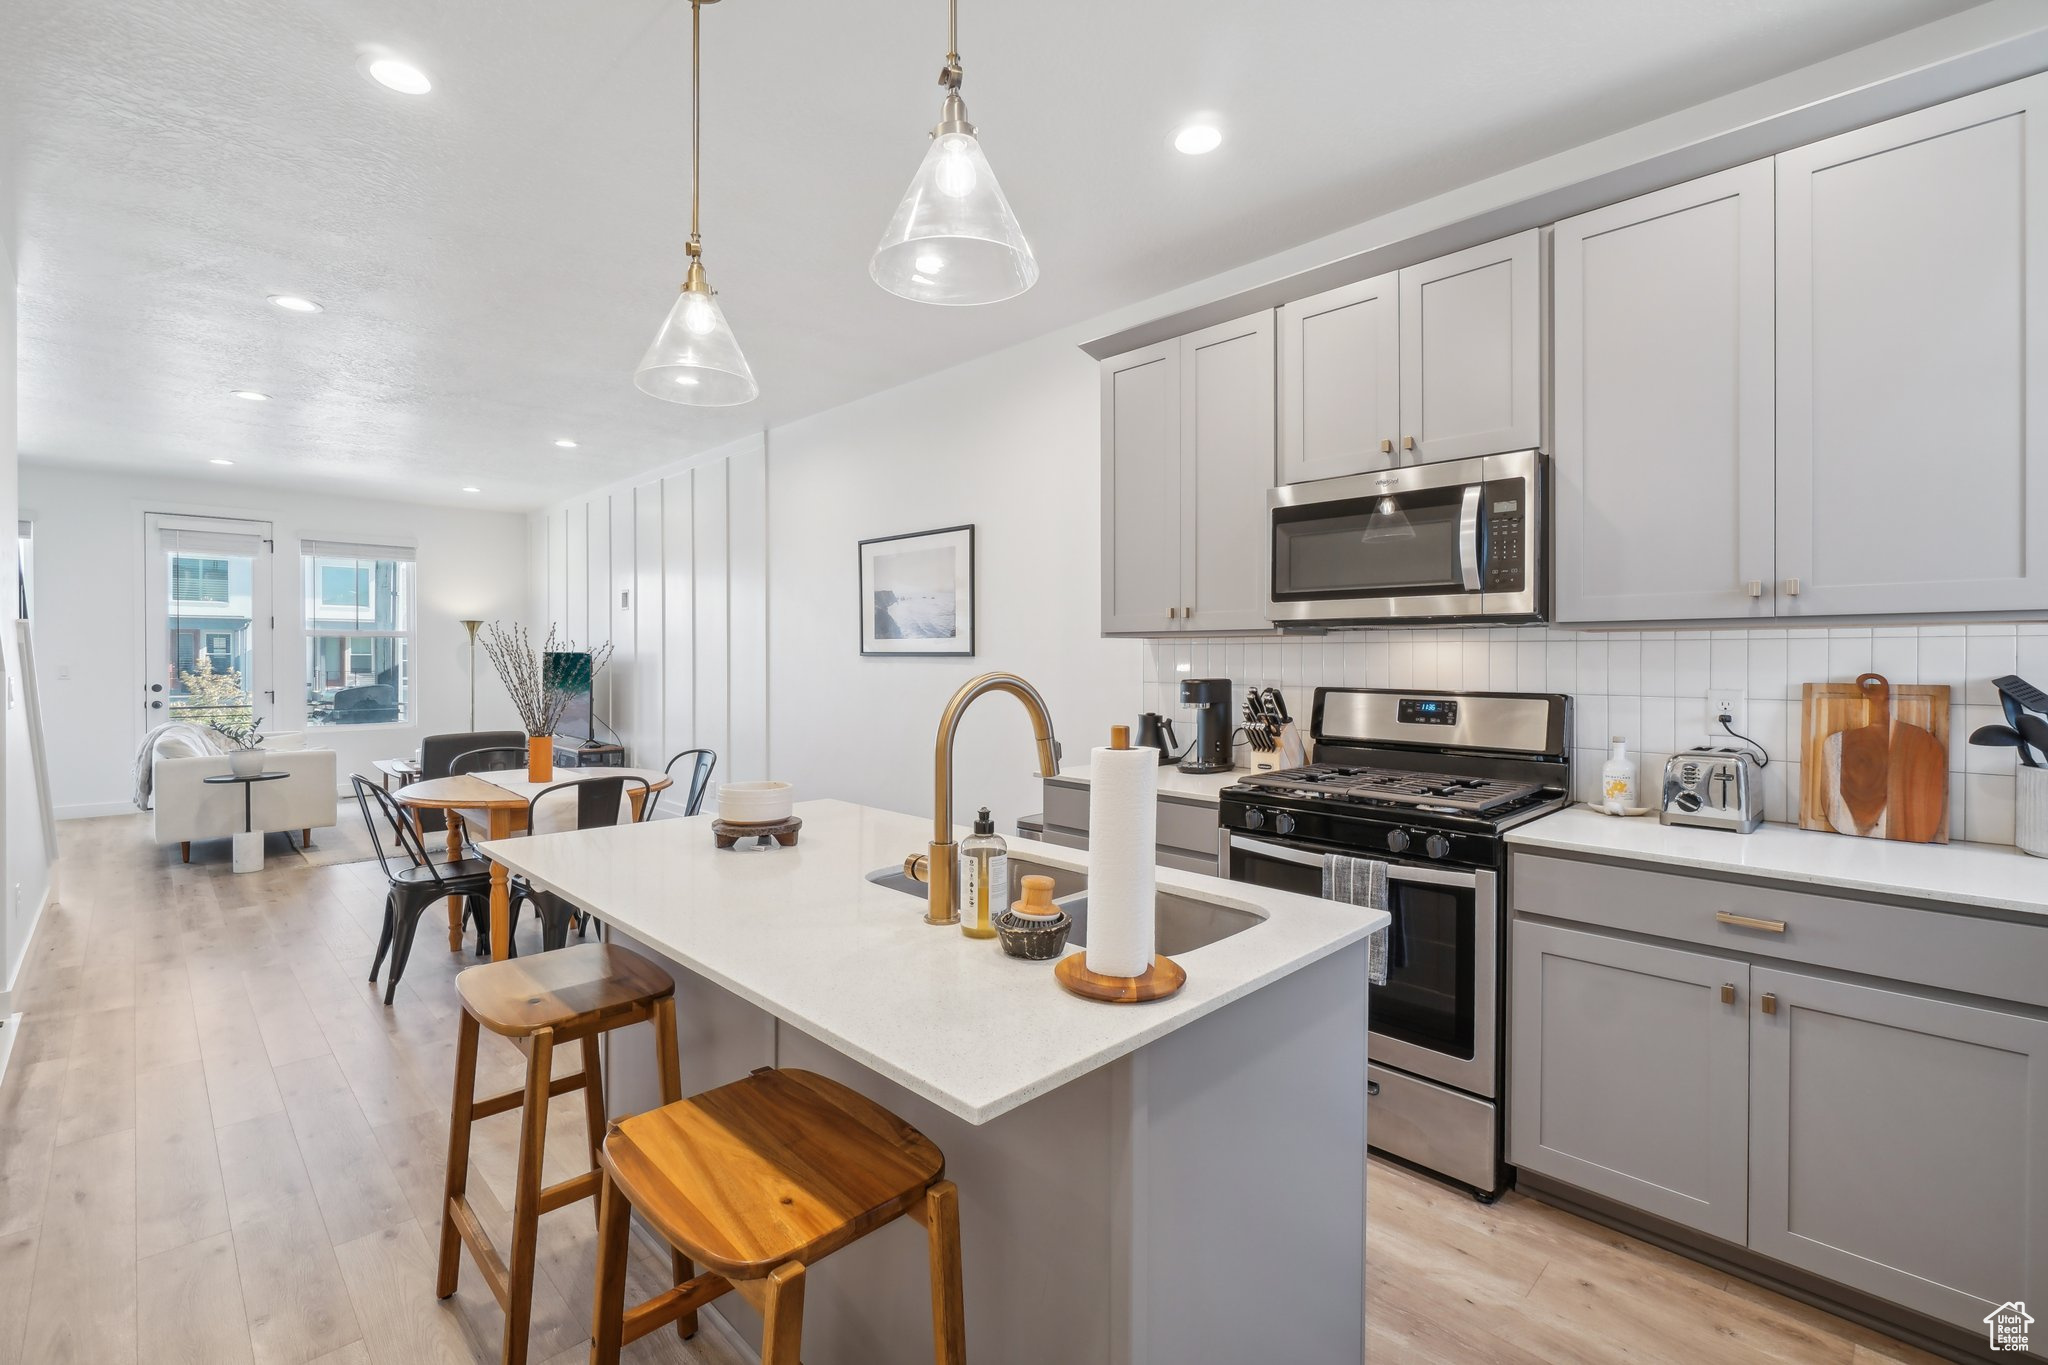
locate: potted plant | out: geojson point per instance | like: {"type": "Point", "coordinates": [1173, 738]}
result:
{"type": "Point", "coordinates": [245, 758]}
{"type": "Point", "coordinates": [538, 692]}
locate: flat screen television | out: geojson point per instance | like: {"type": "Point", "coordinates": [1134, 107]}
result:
{"type": "Point", "coordinates": [571, 672]}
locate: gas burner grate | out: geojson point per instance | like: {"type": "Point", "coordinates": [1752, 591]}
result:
{"type": "Point", "coordinates": [1394, 787]}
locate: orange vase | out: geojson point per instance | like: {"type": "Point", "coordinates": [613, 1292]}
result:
{"type": "Point", "coordinates": [540, 758]}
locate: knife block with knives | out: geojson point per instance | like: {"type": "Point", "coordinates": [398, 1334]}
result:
{"type": "Point", "coordinates": [1269, 730]}
{"type": "Point", "coordinates": [1874, 760]}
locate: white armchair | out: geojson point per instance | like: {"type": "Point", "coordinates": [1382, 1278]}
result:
{"type": "Point", "coordinates": [187, 808]}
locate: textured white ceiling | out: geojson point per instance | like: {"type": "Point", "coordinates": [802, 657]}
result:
{"type": "Point", "coordinates": [495, 255]}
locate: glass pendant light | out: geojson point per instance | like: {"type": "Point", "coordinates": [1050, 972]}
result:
{"type": "Point", "coordinates": [695, 358]}
{"type": "Point", "coordinates": [953, 239]}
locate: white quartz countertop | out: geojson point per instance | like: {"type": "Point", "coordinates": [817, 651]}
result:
{"type": "Point", "coordinates": [1979, 876]}
{"type": "Point", "coordinates": [1173, 782]}
{"type": "Point", "coordinates": [802, 934]}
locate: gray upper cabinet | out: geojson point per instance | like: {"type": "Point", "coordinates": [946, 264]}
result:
{"type": "Point", "coordinates": [1141, 460]}
{"type": "Point", "coordinates": [1187, 457]}
{"type": "Point", "coordinates": [1472, 351]}
{"type": "Point", "coordinates": [1436, 361]}
{"type": "Point", "coordinates": [1912, 450]}
{"type": "Point", "coordinates": [1340, 381]}
{"type": "Point", "coordinates": [1628, 1073]}
{"type": "Point", "coordinates": [1897, 1144]}
{"type": "Point", "coordinates": [1227, 466]}
{"type": "Point", "coordinates": [1663, 463]}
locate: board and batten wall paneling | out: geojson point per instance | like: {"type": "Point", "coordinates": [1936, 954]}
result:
{"type": "Point", "coordinates": [672, 570]}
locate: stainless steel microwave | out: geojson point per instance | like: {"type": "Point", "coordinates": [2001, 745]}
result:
{"type": "Point", "coordinates": [1458, 540]}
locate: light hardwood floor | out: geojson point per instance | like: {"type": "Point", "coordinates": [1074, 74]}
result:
{"type": "Point", "coordinates": [217, 1145]}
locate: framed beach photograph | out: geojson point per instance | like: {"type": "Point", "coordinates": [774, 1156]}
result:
{"type": "Point", "coordinates": [917, 593]}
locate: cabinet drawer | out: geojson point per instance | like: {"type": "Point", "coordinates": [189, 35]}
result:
{"type": "Point", "coordinates": [1949, 951]}
{"type": "Point", "coordinates": [1185, 826]}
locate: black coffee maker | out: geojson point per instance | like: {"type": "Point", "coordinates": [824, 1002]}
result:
{"type": "Point", "coordinates": [1210, 700]}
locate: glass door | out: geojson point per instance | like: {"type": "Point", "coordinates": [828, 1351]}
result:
{"type": "Point", "coordinates": [207, 644]}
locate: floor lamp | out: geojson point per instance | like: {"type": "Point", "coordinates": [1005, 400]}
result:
{"type": "Point", "coordinates": [472, 627]}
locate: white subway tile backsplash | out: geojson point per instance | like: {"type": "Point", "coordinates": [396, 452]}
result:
{"type": "Point", "coordinates": [1650, 686]}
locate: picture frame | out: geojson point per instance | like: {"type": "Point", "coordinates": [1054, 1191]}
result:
{"type": "Point", "coordinates": [917, 594]}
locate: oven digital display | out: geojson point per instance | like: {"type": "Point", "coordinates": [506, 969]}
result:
{"type": "Point", "coordinates": [1428, 711]}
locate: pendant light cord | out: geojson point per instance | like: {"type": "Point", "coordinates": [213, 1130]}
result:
{"type": "Point", "coordinates": [696, 112]}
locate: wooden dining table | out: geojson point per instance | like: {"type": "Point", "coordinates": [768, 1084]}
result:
{"type": "Point", "coordinates": [500, 813]}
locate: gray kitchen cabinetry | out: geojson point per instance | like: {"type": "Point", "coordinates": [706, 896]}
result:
{"type": "Point", "coordinates": [1631, 1073]}
{"type": "Point", "coordinates": [1662, 472]}
{"type": "Point", "coordinates": [1187, 457]}
{"type": "Point", "coordinates": [1781, 1077]}
{"type": "Point", "coordinates": [1912, 425]}
{"type": "Point", "coordinates": [1899, 1143]}
{"type": "Point", "coordinates": [1187, 834]}
{"type": "Point", "coordinates": [1433, 362]}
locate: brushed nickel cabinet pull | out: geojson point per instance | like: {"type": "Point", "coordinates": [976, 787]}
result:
{"type": "Point", "coordinates": [1386, 445]}
{"type": "Point", "coordinates": [1791, 587]}
{"type": "Point", "coordinates": [1767, 1002]}
{"type": "Point", "coordinates": [1727, 992]}
{"type": "Point", "coordinates": [1769, 926]}
{"type": "Point", "coordinates": [1407, 443]}
{"type": "Point", "coordinates": [1755, 587]}
{"type": "Point", "coordinates": [1172, 613]}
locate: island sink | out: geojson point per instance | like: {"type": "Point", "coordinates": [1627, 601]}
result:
{"type": "Point", "coordinates": [1181, 923]}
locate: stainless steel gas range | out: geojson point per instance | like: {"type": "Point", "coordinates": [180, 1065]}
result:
{"type": "Point", "coordinates": [1428, 782]}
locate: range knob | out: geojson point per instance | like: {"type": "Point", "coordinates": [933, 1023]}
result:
{"type": "Point", "coordinates": [1254, 818]}
{"type": "Point", "coordinates": [1436, 846]}
{"type": "Point", "coordinates": [1397, 841]}
{"type": "Point", "coordinates": [1283, 823]}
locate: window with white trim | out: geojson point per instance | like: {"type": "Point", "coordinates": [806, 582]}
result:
{"type": "Point", "coordinates": [359, 619]}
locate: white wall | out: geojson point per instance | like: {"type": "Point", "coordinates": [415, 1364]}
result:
{"type": "Point", "coordinates": [672, 570]}
{"type": "Point", "coordinates": [1011, 444]}
{"type": "Point", "coordinates": [27, 876]}
{"type": "Point", "coordinates": [89, 617]}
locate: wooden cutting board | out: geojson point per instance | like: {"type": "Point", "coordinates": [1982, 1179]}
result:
{"type": "Point", "coordinates": [1887, 782]}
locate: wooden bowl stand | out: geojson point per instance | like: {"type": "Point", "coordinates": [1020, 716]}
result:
{"type": "Point", "coordinates": [783, 832]}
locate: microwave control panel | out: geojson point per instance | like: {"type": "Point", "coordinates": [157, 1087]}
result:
{"type": "Point", "coordinates": [1505, 503]}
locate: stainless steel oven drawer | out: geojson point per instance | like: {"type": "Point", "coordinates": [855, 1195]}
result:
{"type": "Point", "coordinates": [1433, 1126]}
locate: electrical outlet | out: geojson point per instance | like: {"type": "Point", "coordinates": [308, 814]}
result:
{"type": "Point", "coordinates": [1725, 702]}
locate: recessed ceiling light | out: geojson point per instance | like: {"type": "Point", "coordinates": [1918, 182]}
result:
{"type": "Point", "coordinates": [472, 490]}
{"type": "Point", "coordinates": [220, 461]}
{"type": "Point", "coordinates": [252, 395]}
{"type": "Point", "coordinates": [292, 303]}
{"type": "Point", "coordinates": [394, 74]}
{"type": "Point", "coordinates": [566, 444]}
{"type": "Point", "coordinates": [1197, 138]}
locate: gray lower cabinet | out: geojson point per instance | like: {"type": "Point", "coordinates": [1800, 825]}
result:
{"type": "Point", "coordinates": [1899, 1143]}
{"type": "Point", "coordinates": [1835, 1084]}
{"type": "Point", "coordinates": [1187, 833]}
{"type": "Point", "coordinates": [1630, 1075]}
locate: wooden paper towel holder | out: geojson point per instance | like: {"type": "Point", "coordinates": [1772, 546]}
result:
{"type": "Point", "coordinates": [1163, 978]}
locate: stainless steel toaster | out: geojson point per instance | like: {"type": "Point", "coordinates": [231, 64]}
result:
{"type": "Point", "coordinates": [1716, 788]}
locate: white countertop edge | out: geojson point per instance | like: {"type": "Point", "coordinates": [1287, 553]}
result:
{"type": "Point", "coordinates": [1166, 1016]}
{"type": "Point", "coordinates": [1952, 878]}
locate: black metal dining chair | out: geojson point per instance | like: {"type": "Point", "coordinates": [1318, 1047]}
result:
{"type": "Point", "coordinates": [416, 881]}
{"type": "Point", "coordinates": [702, 761]}
{"type": "Point", "coordinates": [598, 802]}
{"type": "Point", "coordinates": [493, 760]}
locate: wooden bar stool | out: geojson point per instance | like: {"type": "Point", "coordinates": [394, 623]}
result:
{"type": "Point", "coordinates": [756, 1181]}
{"type": "Point", "coordinates": [541, 1002]}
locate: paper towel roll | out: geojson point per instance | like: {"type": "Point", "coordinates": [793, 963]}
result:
{"type": "Point", "coordinates": [1123, 818]}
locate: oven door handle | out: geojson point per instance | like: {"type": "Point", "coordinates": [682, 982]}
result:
{"type": "Point", "coordinates": [1280, 851]}
{"type": "Point", "coordinates": [1468, 538]}
{"type": "Point", "coordinates": [1396, 872]}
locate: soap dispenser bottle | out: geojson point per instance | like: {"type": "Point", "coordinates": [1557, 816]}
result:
{"type": "Point", "coordinates": [1618, 779]}
{"type": "Point", "coordinates": [985, 873]}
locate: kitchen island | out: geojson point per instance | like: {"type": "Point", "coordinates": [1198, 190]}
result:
{"type": "Point", "coordinates": [1170, 1182]}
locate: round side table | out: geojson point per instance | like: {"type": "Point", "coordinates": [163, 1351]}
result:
{"type": "Point", "coordinates": [248, 844]}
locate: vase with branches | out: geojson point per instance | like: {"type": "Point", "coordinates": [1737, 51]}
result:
{"type": "Point", "coordinates": [540, 693]}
